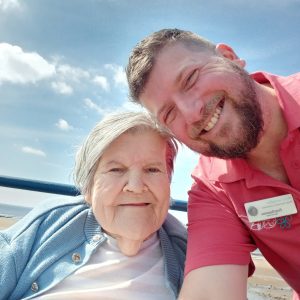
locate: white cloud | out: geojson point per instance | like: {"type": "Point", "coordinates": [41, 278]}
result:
{"type": "Point", "coordinates": [102, 82]}
{"type": "Point", "coordinates": [63, 125]}
{"type": "Point", "coordinates": [67, 77]}
{"type": "Point", "coordinates": [17, 66]}
{"type": "Point", "coordinates": [70, 73]}
{"type": "Point", "coordinates": [92, 105]}
{"type": "Point", "coordinates": [33, 151]}
{"type": "Point", "coordinates": [62, 88]}
{"type": "Point", "coordinates": [119, 74]}
{"type": "Point", "coordinates": [9, 4]}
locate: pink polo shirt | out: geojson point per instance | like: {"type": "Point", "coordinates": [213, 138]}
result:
{"type": "Point", "coordinates": [218, 228]}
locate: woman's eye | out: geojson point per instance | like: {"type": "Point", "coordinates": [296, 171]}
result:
{"type": "Point", "coordinates": [153, 170]}
{"type": "Point", "coordinates": [191, 80]}
{"type": "Point", "coordinates": [170, 115]}
{"type": "Point", "coordinates": [116, 170]}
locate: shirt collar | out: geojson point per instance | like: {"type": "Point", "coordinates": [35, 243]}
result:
{"type": "Point", "coordinates": [288, 95]}
{"type": "Point", "coordinates": [217, 169]}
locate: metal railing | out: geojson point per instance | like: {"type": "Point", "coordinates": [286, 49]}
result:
{"type": "Point", "coordinates": [61, 189]}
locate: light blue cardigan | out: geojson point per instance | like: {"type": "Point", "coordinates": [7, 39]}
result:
{"type": "Point", "coordinates": [58, 237]}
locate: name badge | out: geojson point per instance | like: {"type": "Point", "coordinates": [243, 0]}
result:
{"type": "Point", "coordinates": [270, 208]}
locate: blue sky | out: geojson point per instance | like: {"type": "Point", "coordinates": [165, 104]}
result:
{"type": "Point", "coordinates": [62, 67]}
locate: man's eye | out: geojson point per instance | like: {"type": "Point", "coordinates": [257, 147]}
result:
{"type": "Point", "coordinates": [192, 79]}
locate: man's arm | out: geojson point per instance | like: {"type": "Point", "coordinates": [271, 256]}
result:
{"type": "Point", "coordinates": [226, 282]}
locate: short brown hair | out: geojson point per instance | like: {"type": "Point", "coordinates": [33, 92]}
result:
{"type": "Point", "coordinates": [142, 58]}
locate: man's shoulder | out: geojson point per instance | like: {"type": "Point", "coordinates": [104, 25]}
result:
{"type": "Point", "coordinates": [291, 84]}
{"type": "Point", "coordinates": [295, 76]}
{"type": "Point", "coordinates": [289, 80]}
{"type": "Point", "coordinates": [277, 80]}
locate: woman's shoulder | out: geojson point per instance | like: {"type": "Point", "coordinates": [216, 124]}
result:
{"type": "Point", "coordinates": [59, 203]}
{"type": "Point", "coordinates": [51, 211]}
{"type": "Point", "coordinates": [174, 227]}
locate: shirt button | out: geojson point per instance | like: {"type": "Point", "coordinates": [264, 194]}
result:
{"type": "Point", "coordinates": [76, 258]}
{"type": "Point", "coordinates": [296, 164]}
{"type": "Point", "coordinates": [96, 237]}
{"type": "Point", "coordinates": [34, 287]}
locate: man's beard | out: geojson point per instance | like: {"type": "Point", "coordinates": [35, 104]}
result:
{"type": "Point", "coordinates": [251, 126]}
{"type": "Point", "coordinates": [251, 123]}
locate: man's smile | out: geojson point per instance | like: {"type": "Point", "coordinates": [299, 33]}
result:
{"type": "Point", "coordinates": [215, 117]}
{"type": "Point", "coordinates": [211, 117]}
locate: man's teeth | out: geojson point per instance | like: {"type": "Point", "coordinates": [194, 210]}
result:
{"type": "Point", "coordinates": [214, 119]}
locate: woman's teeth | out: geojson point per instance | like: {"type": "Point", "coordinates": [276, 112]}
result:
{"type": "Point", "coordinates": [214, 119]}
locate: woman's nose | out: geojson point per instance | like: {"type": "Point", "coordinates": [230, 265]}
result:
{"type": "Point", "coordinates": [135, 184]}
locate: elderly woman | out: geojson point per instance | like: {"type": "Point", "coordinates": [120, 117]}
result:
{"type": "Point", "coordinates": [119, 242]}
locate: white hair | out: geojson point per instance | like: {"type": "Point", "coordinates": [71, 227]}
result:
{"type": "Point", "coordinates": [107, 131]}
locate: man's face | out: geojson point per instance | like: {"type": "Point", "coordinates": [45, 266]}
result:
{"type": "Point", "coordinates": [206, 100]}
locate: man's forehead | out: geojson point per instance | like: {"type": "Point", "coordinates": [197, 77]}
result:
{"type": "Point", "coordinates": [169, 66]}
{"type": "Point", "coordinates": [178, 56]}
{"type": "Point", "coordinates": [163, 76]}
{"type": "Point", "coordinates": [172, 50]}
{"type": "Point", "coordinates": [184, 47]}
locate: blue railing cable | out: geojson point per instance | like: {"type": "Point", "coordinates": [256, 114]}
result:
{"type": "Point", "coordinates": [38, 186]}
{"type": "Point", "coordinates": [61, 189]}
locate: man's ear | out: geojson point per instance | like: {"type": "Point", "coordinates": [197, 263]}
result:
{"type": "Point", "coordinates": [227, 52]}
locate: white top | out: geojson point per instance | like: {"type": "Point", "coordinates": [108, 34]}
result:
{"type": "Point", "coordinates": [110, 275]}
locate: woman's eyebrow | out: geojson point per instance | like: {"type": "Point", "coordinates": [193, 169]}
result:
{"type": "Point", "coordinates": [155, 164]}
{"type": "Point", "coordinates": [111, 162]}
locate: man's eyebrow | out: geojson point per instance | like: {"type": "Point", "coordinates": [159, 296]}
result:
{"type": "Point", "coordinates": [182, 73]}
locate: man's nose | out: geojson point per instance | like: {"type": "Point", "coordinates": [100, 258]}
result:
{"type": "Point", "coordinates": [190, 109]}
{"type": "Point", "coordinates": [135, 183]}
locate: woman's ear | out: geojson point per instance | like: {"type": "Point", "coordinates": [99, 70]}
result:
{"type": "Point", "coordinates": [88, 197]}
{"type": "Point", "coordinates": [227, 52]}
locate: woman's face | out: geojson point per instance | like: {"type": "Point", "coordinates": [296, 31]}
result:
{"type": "Point", "coordinates": [131, 187]}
